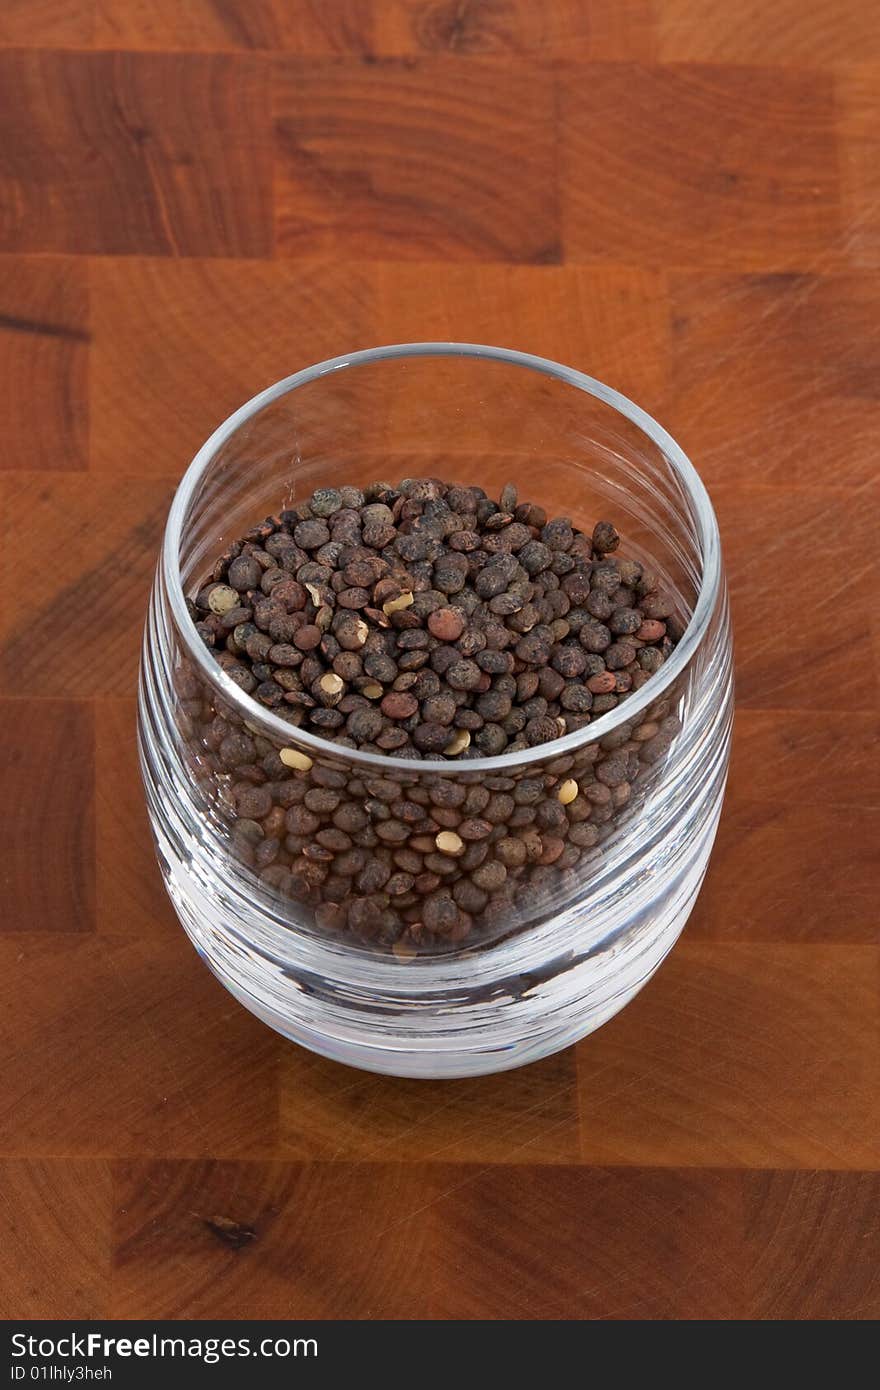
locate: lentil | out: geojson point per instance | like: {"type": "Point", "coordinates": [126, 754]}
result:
{"type": "Point", "coordinates": [427, 621]}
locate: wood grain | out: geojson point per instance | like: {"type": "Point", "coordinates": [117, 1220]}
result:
{"type": "Point", "coordinates": [128, 887]}
{"type": "Point", "coordinates": [811, 1242]}
{"type": "Point", "coordinates": [785, 661]}
{"type": "Point", "coordinates": [49, 777]}
{"type": "Point", "coordinates": [680, 197]}
{"type": "Point", "coordinates": [47, 23]}
{"type": "Point", "coordinates": [56, 1219]}
{"type": "Point", "coordinates": [752, 1056]}
{"type": "Point", "coordinates": [587, 29]}
{"type": "Point", "coordinates": [332, 1112]}
{"type": "Point", "coordinates": [857, 91]}
{"type": "Point", "coordinates": [128, 1046]}
{"type": "Point", "coordinates": [603, 1220]}
{"type": "Point", "coordinates": [303, 26]}
{"type": "Point", "coordinates": [787, 870]}
{"type": "Point", "coordinates": [398, 1240]}
{"type": "Point", "coordinates": [44, 360]}
{"type": "Point", "coordinates": [614, 320]}
{"type": "Point", "coordinates": [786, 33]}
{"type": "Point", "coordinates": [358, 1236]}
{"type": "Point", "coordinates": [120, 153]}
{"type": "Point", "coordinates": [685, 151]}
{"type": "Point", "coordinates": [809, 757]}
{"type": "Point", "coordinates": [228, 328]}
{"type": "Point", "coordinates": [233, 327]}
{"type": "Point", "coordinates": [106, 531]}
{"type": "Point", "coordinates": [405, 160]}
{"type": "Point", "coordinates": [776, 376]}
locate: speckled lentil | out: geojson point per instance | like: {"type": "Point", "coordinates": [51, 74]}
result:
{"type": "Point", "coordinates": [427, 621]}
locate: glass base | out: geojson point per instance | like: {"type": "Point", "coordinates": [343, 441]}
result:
{"type": "Point", "coordinates": [519, 1020]}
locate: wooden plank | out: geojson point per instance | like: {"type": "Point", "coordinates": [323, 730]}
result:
{"type": "Point", "coordinates": [585, 29]}
{"type": "Point", "coordinates": [795, 858]}
{"type": "Point", "coordinates": [47, 23]}
{"type": "Point", "coordinates": [785, 659]}
{"type": "Point", "coordinates": [609, 321]}
{"type": "Point", "coordinates": [335, 1113]}
{"type": "Point", "coordinates": [49, 777]}
{"type": "Point", "coordinates": [327, 1237]}
{"type": "Point", "coordinates": [128, 886]}
{"type": "Point", "coordinates": [384, 1241]}
{"type": "Point", "coordinates": [774, 377]}
{"type": "Point", "coordinates": [127, 1046]}
{"type": "Point", "coordinates": [57, 1238]}
{"type": "Point", "coordinates": [123, 153]}
{"type": "Point", "coordinates": [782, 870]}
{"type": "Point", "coordinates": [44, 356]}
{"type": "Point", "coordinates": [787, 33]}
{"type": "Point", "coordinates": [76, 631]}
{"type": "Point", "coordinates": [211, 334]}
{"type": "Point", "coordinates": [811, 1245]}
{"type": "Point", "coordinates": [746, 1055]}
{"type": "Point", "coordinates": [303, 26]}
{"type": "Point", "coordinates": [672, 166]}
{"type": "Point", "coordinates": [857, 91]}
{"type": "Point", "coordinates": [812, 757]}
{"type": "Point", "coordinates": [410, 160]}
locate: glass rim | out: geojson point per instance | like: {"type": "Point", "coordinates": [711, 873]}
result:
{"type": "Point", "coordinates": [248, 709]}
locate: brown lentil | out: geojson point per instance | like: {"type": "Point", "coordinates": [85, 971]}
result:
{"type": "Point", "coordinates": [427, 621]}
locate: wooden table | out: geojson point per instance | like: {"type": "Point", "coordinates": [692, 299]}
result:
{"type": "Point", "coordinates": [679, 196]}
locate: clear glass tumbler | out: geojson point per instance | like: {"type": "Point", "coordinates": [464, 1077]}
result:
{"type": "Point", "coordinates": [573, 933]}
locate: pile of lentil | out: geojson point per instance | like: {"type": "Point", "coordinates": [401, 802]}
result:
{"type": "Point", "coordinates": [427, 620]}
